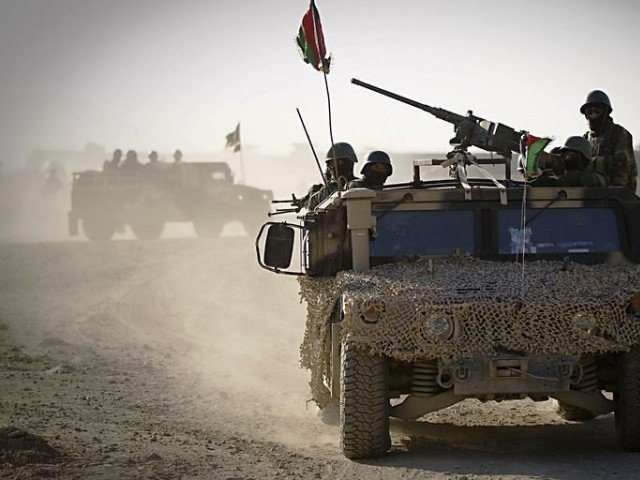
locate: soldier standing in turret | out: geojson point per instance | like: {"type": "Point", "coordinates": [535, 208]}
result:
{"type": "Point", "coordinates": [374, 172]}
{"type": "Point", "coordinates": [612, 145]}
{"type": "Point", "coordinates": [114, 163]}
{"type": "Point", "coordinates": [131, 160]}
{"type": "Point", "coordinates": [340, 160]}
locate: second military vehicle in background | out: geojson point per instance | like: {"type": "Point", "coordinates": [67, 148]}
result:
{"type": "Point", "coordinates": [145, 198]}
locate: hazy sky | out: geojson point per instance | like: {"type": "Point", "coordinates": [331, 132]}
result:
{"type": "Point", "coordinates": [161, 74]}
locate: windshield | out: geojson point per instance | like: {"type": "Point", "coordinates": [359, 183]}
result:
{"type": "Point", "coordinates": [559, 230]}
{"type": "Point", "coordinates": [425, 232]}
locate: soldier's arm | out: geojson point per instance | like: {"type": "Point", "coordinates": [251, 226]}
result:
{"type": "Point", "coordinates": [619, 167]}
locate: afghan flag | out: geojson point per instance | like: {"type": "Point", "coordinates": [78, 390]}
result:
{"type": "Point", "coordinates": [530, 149]}
{"type": "Point", "coordinates": [310, 40]}
{"type": "Point", "coordinates": [233, 139]}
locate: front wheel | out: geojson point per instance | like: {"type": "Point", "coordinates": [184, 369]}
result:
{"type": "Point", "coordinates": [207, 226]}
{"type": "Point", "coordinates": [627, 400]}
{"type": "Point", "coordinates": [364, 404]}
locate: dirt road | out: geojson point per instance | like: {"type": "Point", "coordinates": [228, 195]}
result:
{"type": "Point", "coordinates": [179, 359]}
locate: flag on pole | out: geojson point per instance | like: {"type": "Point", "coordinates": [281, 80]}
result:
{"type": "Point", "coordinates": [310, 40]}
{"type": "Point", "coordinates": [233, 139]}
{"type": "Point", "coordinates": [530, 149]}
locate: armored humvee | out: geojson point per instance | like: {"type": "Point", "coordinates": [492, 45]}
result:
{"type": "Point", "coordinates": [426, 293]}
{"type": "Point", "coordinates": [147, 197]}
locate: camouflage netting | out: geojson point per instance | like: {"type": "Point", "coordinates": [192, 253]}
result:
{"type": "Point", "coordinates": [575, 311]}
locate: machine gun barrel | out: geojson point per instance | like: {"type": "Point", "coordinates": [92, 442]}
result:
{"type": "Point", "coordinates": [440, 113]}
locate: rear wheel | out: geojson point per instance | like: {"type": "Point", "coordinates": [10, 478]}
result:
{"type": "Point", "coordinates": [364, 404]}
{"type": "Point", "coordinates": [627, 400]}
{"type": "Point", "coordinates": [99, 227]}
{"type": "Point", "coordinates": [207, 226]}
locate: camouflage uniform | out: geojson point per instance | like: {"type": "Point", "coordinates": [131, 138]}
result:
{"type": "Point", "coordinates": [613, 154]}
{"type": "Point", "coordinates": [364, 182]}
{"type": "Point", "coordinates": [325, 191]}
{"type": "Point", "coordinates": [572, 178]}
{"type": "Point", "coordinates": [570, 166]}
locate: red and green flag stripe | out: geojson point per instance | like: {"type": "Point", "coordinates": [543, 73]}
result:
{"type": "Point", "coordinates": [310, 40]}
{"type": "Point", "coordinates": [531, 147]}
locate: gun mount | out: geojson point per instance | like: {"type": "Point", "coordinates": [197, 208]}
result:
{"type": "Point", "coordinates": [470, 130]}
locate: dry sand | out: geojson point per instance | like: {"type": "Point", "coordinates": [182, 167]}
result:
{"type": "Point", "coordinates": [179, 359]}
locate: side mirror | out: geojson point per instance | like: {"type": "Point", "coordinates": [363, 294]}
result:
{"type": "Point", "coordinates": [278, 247]}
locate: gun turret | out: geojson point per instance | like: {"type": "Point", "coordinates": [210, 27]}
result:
{"type": "Point", "coordinates": [469, 129]}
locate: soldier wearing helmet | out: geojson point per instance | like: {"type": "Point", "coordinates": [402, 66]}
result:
{"type": "Point", "coordinates": [377, 167]}
{"type": "Point", "coordinates": [340, 160]}
{"type": "Point", "coordinates": [114, 163]}
{"type": "Point", "coordinates": [571, 166]}
{"type": "Point", "coordinates": [131, 160]}
{"type": "Point", "coordinates": [612, 145]}
{"type": "Point", "coordinates": [153, 157]}
{"type": "Point", "coordinates": [177, 156]}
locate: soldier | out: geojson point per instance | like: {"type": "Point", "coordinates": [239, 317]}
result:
{"type": "Point", "coordinates": [340, 160]}
{"type": "Point", "coordinates": [52, 184]}
{"type": "Point", "coordinates": [114, 163]}
{"type": "Point", "coordinates": [153, 157]}
{"type": "Point", "coordinates": [611, 143]}
{"type": "Point", "coordinates": [131, 160]}
{"type": "Point", "coordinates": [177, 156]}
{"type": "Point", "coordinates": [571, 166]}
{"type": "Point", "coordinates": [374, 172]}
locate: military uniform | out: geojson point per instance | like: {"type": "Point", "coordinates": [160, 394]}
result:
{"type": "Point", "coordinates": [613, 154]}
{"type": "Point", "coordinates": [571, 166]}
{"type": "Point", "coordinates": [340, 157]}
{"type": "Point", "coordinates": [572, 178]}
{"type": "Point", "coordinates": [326, 190]}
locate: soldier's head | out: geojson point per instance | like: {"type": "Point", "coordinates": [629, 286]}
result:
{"type": "Point", "coordinates": [577, 153]}
{"type": "Point", "coordinates": [596, 108]}
{"type": "Point", "coordinates": [177, 156]}
{"type": "Point", "coordinates": [117, 155]}
{"type": "Point", "coordinates": [377, 167]}
{"type": "Point", "coordinates": [132, 156]}
{"type": "Point", "coordinates": [153, 156]}
{"type": "Point", "coordinates": [343, 156]}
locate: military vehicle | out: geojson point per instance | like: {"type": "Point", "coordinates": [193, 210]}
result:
{"type": "Point", "coordinates": [426, 293]}
{"type": "Point", "coordinates": [147, 197]}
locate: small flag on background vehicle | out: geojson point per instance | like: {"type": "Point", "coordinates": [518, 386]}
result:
{"type": "Point", "coordinates": [233, 139]}
{"type": "Point", "coordinates": [310, 40]}
{"type": "Point", "coordinates": [530, 149]}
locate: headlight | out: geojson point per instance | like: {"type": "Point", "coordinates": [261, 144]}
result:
{"type": "Point", "coordinates": [370, 314]}
{"type": "Point", "coordinates": [439, 326]}
{"type": "Point", "coordinates": [584, 322]}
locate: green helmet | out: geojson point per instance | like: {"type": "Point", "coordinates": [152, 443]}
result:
{"type": "Point", "coordinates": [579, 144]}
{"type": "Point", "coordinates": [377, 156]}
{"type": "Point", "coordinates": [341, 150]}
{"type": "Point", "coordinates": [596, 96]}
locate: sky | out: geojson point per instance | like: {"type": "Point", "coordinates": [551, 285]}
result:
{"type": "Point", "coordinates": [161, 74]}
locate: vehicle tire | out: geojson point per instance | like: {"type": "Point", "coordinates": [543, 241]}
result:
{"type": "Point", "coordinates": [572, 413]}
{"type": "Point", "coordinates": [207, 226]}
{"type": "Point", "coordinates": [99, 227]}
{"type": "Point", "coordinates": [364, 404]}
{"type": "Point", "coordinates": [627, 400]}
{"type": "Point", "coordinates": [147, 230]}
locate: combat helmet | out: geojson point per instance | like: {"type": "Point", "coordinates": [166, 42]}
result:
{"type": "Point", "coordinates": [579, 144]}
{"type": "Point", "coordinates": [341, 150]}
{"type": "Point", "coordinates": [177, 155]}
{"type": "Point", "coordinates": [153, 156]}
{"type": "Point", "coordinates": [596, 96]}
{"type": "Point", "coordinates": [377, 156]}
{"type": "Point", "coordinates": [117, 153]}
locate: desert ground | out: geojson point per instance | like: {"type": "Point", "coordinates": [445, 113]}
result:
{"type": "Point", "coordinates": [179, 358]}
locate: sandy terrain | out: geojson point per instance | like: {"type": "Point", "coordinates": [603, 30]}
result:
{"type": "Point", "coordinates": [179, 359]}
